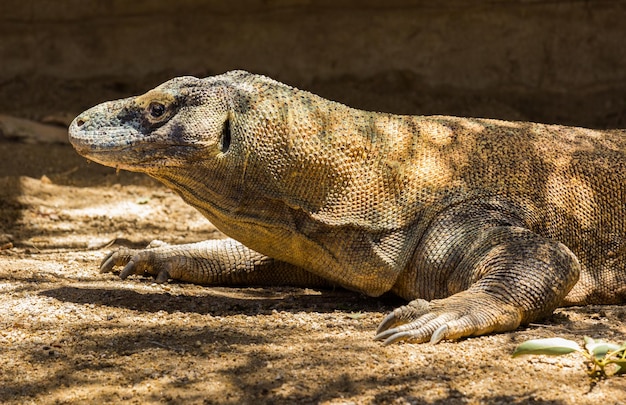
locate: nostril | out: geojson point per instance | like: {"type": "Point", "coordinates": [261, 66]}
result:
{"type": "Point", "coordinates": [80, 122]}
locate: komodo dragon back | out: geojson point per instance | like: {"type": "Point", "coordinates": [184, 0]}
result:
{"type": "Point", "coordinates": [482, 225]}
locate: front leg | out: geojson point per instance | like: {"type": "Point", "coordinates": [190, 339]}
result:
{"type": "Point", "coordinates": [489, 275]}
{"type": "Point", "coordinates": [211, 262]}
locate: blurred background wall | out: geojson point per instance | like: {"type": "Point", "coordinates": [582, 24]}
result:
{"type": "Point", "coordinates": [556, 61]}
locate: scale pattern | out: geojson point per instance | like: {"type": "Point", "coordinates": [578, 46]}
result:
{"type": "Point", "coordinates": [482, 224]}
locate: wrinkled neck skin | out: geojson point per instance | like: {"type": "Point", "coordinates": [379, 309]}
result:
{"type": "Point", "coordinates": [306, 181]}
{"type": "Point", "coordinates": [290, 150]}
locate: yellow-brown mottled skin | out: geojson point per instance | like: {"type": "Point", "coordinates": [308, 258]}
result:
{"type": "Point", "coordinates": [483, 224]}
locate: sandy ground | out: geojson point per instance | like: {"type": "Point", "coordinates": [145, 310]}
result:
{"type": "Point", "coordinates": [71, 335]}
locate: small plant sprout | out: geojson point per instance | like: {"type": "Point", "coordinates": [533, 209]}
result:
{"type": "Point", "coordinates": [604, 359]}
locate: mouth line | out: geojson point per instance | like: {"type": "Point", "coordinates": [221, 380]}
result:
{"type": "Point", "coordinates": [140, 156]}
{"type": "Point", "coordinates": [91, 144]}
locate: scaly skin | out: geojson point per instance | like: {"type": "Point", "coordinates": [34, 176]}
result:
{"type": "Point", "coordinates": [484, 225]}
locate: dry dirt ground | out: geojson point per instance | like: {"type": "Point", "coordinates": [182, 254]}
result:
{"type": "Point", "coordinates": [71, 335]}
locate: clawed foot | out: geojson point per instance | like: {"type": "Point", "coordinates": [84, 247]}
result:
{"type": "Point", "coordinates": [414, 322]}
{"type": "Point", "coordinates": [451, 318]}
{"type": "Point", "coordinates": [140, 262]}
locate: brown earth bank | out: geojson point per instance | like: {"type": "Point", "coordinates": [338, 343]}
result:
{"type": "Point", "coordinates": [71, 335]}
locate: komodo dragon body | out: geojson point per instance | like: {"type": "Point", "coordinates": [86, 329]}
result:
{"type": "Point", "coordinates": [482, 224]}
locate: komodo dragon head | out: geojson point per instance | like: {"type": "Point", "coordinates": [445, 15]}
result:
{"type": "Point", "coordinates": [182, 120]}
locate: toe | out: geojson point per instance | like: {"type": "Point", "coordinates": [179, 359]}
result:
{"type": "Point", "coordinates": [404, 314]}
{"type": "Point", "coordinates": [107, 264]}
{"type": "Point", "coordinates": [128, 269]}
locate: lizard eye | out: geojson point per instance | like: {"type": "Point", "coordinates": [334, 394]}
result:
{"type": "Point", "coordinates": [156, 109]}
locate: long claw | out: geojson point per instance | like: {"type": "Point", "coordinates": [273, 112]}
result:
{"type": "Point", "coordinates": [389, 321]}
{"type": "Point", "coordinates": [399, 330]}
{"type": "Point", "coordinates": [414, 310]}
{"type": "Point", "coordinates": [398, 337]}
{"type": "Point", "coordinates": [128, 270]}
{"type": "Point", "coordinates": [107, 264]}
{"type": "Point", "coordinates": [439, 334]}
{"type": "Point", "coordinates": [384, 334]}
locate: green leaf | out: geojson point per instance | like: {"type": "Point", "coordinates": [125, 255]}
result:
{"type": "Point", "coordinates": [551, 346]}
{"type": "Point", "coordinates": [599, 349]}
{"type": "Point", "coordinates": [604, 348]}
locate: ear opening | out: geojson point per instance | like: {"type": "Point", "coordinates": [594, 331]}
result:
{"type": "Point", "coordinates": [226, 136]}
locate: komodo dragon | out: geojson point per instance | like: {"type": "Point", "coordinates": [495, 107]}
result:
{"type": "Point", "coordinates": [483, 225]}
